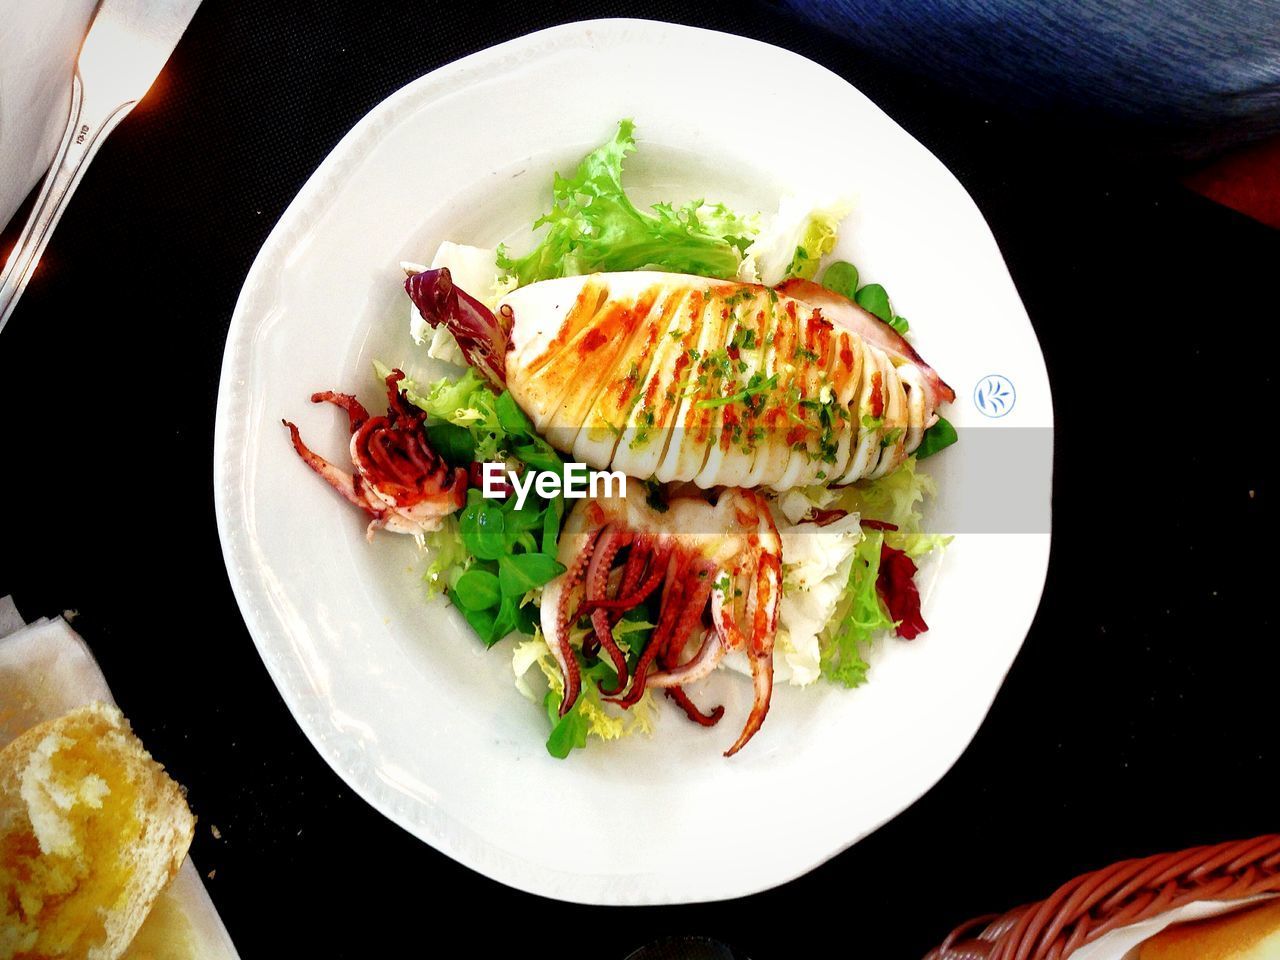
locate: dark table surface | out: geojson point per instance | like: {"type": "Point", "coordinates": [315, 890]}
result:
{"type": "Point", "coordinates": [1139, 717]}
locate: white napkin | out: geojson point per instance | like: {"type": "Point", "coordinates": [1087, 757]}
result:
{"type": "Point", "coordinates": [46, 670]}
{"type": "Point", "coordinates": [39, 43]}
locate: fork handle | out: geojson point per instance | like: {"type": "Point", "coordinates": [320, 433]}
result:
{"type": "Point", "coordinates": [88, 124]}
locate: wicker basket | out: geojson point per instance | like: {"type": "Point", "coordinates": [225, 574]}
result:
{"type": "Point", "coordinates": [1128, 892]}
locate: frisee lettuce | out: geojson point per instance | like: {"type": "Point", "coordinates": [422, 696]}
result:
{"type": "Point", "coordinates": [861, 615]}
{"type": "Point", "coordinates": [449, 558]}
{"type": "Point", "coordinates": [462, 417]}
{"type": "Point", "coordinates": [590, 715]}
{"type": "Point", "coordinates": [896, 499]}
{"type": "Point", "coordinates": [797, 237]}
{"type": "Point", "coordinates": [594, 226]}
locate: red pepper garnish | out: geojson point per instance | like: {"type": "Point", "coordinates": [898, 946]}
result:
{"type": "Point", "coordinates": [877, 396]}
{"type": "Point", "coordinates": [896, 586]}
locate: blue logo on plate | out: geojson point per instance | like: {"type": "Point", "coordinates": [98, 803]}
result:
{"type": "Point", "coordinates": [994, 396]}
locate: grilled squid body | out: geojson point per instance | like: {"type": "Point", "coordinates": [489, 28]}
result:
{"type": "Point", "coordinates": [682, 378]}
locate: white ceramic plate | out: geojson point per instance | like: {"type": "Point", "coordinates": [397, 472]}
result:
{"type": "Point", "coordinates": [392, 689]}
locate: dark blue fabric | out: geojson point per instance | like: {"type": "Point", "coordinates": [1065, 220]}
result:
{"type": "Point", "coordinates": [1186, 75]}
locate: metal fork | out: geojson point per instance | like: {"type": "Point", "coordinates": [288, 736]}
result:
{"type": "Point", "coordinates": [128, 44]}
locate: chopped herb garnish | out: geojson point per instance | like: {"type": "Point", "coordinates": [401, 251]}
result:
{"type": "Point", "coordinates": [752, 394]}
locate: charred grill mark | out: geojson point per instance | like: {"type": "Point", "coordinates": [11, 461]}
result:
{"type": "Point", "coordinates": [585, 306]}
{"type": "Point", "coordinates": [611, 325]}
{"type": "Point", "coordinates": [655, 328]}
{"type": "Point", "coordinates": [689, 334]}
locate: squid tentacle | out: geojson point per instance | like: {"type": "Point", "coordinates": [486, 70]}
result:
{"type": "Point", "coordinates": [638, 561]}
{"type": "Point", "coordinates": [708, 657]}
{"type": "Point", "coordinates": [399, 480]}
{"type": "Point", "coordinates": [345, 483]}
{"type": "Point", "coordinates": [691, 709]}
{"type": "Point", "coordinates": [672, 598]}
{"type": "Point", "coordinates": [766, 598]}
{"type": "Point", "coordinates": [636, 596]}
{"type": "Point", "coordinates": [356, 413]}
{"type": "Point", "coordinates": [607, 546]}
{"type": "Point", "coordinates": [708, 576]}
{"type": "Point", "coordinates": [604, 636]}
{"type": "Point", "coordinates": [762, 681]}
{"type": "Point", "coordinates": [556, 597]}
{"type": "Point", "coordinates": [720, 583]}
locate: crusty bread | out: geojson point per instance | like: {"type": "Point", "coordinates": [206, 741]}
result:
{"type": "Point", "coordinates": [91, 832]}
{"type": "Point", "coordinates": [1252, 934]}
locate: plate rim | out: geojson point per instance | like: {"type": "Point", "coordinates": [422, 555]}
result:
{"type": "Point", "coordinates": [458, 841]}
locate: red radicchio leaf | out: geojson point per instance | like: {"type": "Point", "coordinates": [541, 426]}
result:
{"type": "Point", "coordinates": [475, 475]}
{"type": "Point", "coordinates": [823, 518]}
{"type": "Point", "coordinates": [481, 336]}
{"type": "Point", "coordinates": [876, 524]}
{"type": "Point", "coordinates": [896, 586]}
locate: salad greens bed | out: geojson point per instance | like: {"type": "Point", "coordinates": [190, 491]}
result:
{"type": "Point", "coordinates": [492, 559]}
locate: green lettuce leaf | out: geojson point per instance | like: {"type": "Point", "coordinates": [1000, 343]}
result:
{"type": "Point", "coordinates": [893, 499]}
{"type": "Point", "coordinates": [796, 238]}
{"type": "Point", "coordinates": [817, 238]}
{"type": "Point", "coordinates": [860, 615]}
{"type": "Point", "coordinates": [594, 226]}
{"type": "Point", "coordinates": [590, 715]}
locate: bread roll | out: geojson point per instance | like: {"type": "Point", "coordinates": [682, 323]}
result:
{"type": "Point", "coordinates": [1252, 934]}
{"type": "Point", "coordinates": [91, 832]}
